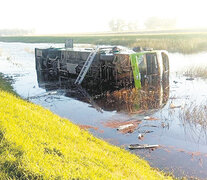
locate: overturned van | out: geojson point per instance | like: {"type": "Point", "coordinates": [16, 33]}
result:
{"type": "Point", "coordinates": [107, 66]}
{"type": "Point", "coordinates": [111, 78]}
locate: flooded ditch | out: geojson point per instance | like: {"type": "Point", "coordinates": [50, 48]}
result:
{"type": "Point", "coordinates": [178, 126]}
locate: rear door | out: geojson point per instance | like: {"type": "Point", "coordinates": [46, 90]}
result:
{"type": "Point", "coordinates": [165, 76]}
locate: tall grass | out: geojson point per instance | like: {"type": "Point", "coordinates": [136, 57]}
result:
{"type": "Point", "coordinates": [197, 71]}
{"type": "Point", "coordinates": [196, 114]}
{"type": "Point", "coordinates": [183, 42]}
{"type": "Point", "coordinates": [185, 46]}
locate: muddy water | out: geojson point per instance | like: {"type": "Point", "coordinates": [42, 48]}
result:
{"type": "Point", "coordinates": [183, 142]}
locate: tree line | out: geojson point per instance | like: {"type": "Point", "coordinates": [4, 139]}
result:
{"type": "Point", "coordinates": [16, 32]}
{"type": "Point", "coordinates": [152, 23]}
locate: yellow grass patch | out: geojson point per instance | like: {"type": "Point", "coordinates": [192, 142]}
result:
{"type": "Point", "coordinates": [35, 143]}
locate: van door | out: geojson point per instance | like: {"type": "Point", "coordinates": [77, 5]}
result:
{"type": "Point", "coordinates": [153, 71]}
{"type": "Point", "coordinates": [165, 77]}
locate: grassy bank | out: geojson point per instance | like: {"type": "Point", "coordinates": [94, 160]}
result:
{"type": "Point", "coordinates": [5, 84]}
{"type": "Point", "coordinates": [173, 42]}
{"type": "Point", "coordinates": [37, 144]}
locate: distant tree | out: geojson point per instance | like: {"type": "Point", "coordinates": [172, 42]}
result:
{"type": "Point", "coordinates": [117, 25]}
{"type": "Point", "coordinates": [132, 26]}
{"type": "Point", "coordinates": [160, 23]}
{"type": "Point", "coordinates": [16, 32]}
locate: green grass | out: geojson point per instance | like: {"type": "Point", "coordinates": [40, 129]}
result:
{"type": "Point", "coordinates": [177, 42]}
{"type": "Point", "coordinates": [37, 144]}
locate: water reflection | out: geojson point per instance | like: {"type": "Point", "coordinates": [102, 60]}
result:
{"type": "Point", "coordinates": [128, 100]}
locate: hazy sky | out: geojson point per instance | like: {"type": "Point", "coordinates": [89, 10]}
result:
{"type": "Point", "coordinates": [66, 16]}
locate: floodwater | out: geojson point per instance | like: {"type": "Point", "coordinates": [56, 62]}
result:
{"type": "Point", "coordinates": [182, 139]}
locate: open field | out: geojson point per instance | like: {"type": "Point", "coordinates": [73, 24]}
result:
{"type": "Point", "coordinates": [173, 42]}
{"type": "Point", "coordinates": [37, 144]}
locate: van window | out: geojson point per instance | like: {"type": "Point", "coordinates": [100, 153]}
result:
{"type": "Point", "coordinates": [152, 66]}
{"type": "Point", "coordinates": [165, 62]}
{"type": "Point", "coordinates": [142, 65]}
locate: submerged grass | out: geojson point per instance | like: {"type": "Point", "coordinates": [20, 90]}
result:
{"type": "Point", "coordinates": [37, 144]}
{"type": "Point", "coordinates": [195, 114]}
{"type": "Point", "coordinates": [174, 42]}
{"type": "Point", "coordinates": [197, 71]}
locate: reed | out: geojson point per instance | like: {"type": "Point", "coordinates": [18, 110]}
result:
{"type": "Point", "coordinates": [197, 71]}
{"type": "Point", "coordinates": [194, 114]}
